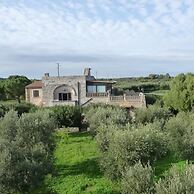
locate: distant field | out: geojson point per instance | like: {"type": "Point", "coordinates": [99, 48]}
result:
{"type": "Point", "coordinates": [159, 92]}
{"type": "Point", "coordinates": [77, 169]}
{"type": "Point", "coordinates": [156, 86]}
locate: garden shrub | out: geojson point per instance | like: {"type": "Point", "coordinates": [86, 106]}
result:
{"type": "Point", "coordinates": [181, 134]}
{"type": "Point", "coordinates": [138, 179]}
{"type": "Point", "coordinates": [144, 143]}
{"type": "Point", "coordinates": [177, 181]}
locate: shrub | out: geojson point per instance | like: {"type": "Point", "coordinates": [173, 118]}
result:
{"type": "Point", "coordinates": [138, 179]}
{"type": "Point", "coordinates": [105, 134]}
{"type": "Point", "coordinates": [19, 107]}
{"type": "Point", "coordinates": [144, 143]}
{"type": "Point", "coordinates": [67, 116]}
{"type": "Point", "coordinates": [181, 134]}
{"type": "Point", "coordinates": [152, 99]}
{"type": "Point", "coordinates": [26, 146]}
{"type": "Point", "coordinates": [2, 91]}
{"type": "Point", "coordinates": [3, 110]}
{"type": "Point", "coordinates": [177, 181]}
{"type": "Point", "coordinates": [106, 115]}
{"type": "Point", "coordinates": [23, 107]}
{"type": "Point", "coordinates": [150, 114]}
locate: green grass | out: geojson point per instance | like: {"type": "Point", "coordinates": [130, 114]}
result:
{"type": "Point", "coordinates": [135, 82]}
{"type": "Point", "coordinates": [76, 167]}
{"type": "Point", "coordinates": [159, 92]}
{"type": "Point", "coordinates": [163, 165]}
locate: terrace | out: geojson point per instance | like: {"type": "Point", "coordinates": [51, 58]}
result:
{"type": "Point", "coordinates": [101, 91]}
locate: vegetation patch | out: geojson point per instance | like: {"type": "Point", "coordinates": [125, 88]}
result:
{"type": "Point", "coordinates": [76, 167]}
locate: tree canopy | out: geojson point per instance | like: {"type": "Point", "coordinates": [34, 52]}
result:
{"type": "Point", "coordinates": [15, 86]}
{"type": "Point", "coordinates": [26, 150]}
{"type": "Point", "coordinates": [181, 95]}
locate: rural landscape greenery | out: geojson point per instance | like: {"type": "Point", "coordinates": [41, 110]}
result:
{"type": "Point", "coordinates": [148, 150]}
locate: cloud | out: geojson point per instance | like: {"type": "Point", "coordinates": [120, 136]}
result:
{"type": "Point", "coordinates": [123, 32]}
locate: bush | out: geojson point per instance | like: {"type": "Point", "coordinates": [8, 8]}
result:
{"type": "Point", "coordinates": [138, 179]}
{"type": "Point", "coordinates": [152, 113]}
{"type": "Point", "coordinates": [67, 116]}
{"type": "Point", "coordinates": [181, 134]}
{"type": "Point", "coordinates": [177, 181]}
{"type": "Point", "coordinates": [106, 115]}
{"type": "Point", "coordinates": [26, 147]}
{"type": "Point", "coordinates": [2, 91]}
{"type": "Point", "coordinates": [144, 143]}
{"type": "Point", "coordinates": [19, 107]}
{"type": "Point", "coordinates": [104, 136]}
{"type": "Point", "coordinates": [3, 110]}
{"type": "Point", "coordinates": [152, 99]}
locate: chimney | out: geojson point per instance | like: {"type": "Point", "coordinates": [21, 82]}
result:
{"type": "Point", "coordinates": [87, 71]}
{"type": "Point", "coordinates": [46, 74]}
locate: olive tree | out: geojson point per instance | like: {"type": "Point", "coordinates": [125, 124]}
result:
{"type": "Point", "coordinates": [106, 115]}
{"type": "Point", "coordinates": [126, 147]}
{"type": "Point", "coordinates": [26, 146]}
{"type": "Point", "coordinates": [138, 179]}
{"type": "Point", "coordinates": [180, 130]}
{"type": "Point", "coordinates": [177, 181]}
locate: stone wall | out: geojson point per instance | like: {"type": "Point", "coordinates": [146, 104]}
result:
{"type": "Point", "coordinates": [77, 83]}
{"type": "Point", "coordinates": [123, 101]}
{"type": "Point", "coordinates": [34, 100]}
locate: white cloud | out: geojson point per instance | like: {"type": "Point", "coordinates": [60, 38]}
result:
{"type": "Point", "coordinates": [123, 28]}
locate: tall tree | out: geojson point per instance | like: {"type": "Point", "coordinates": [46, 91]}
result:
{"type": "Point", "coordinates": [15, 86]}
{"type": "Point", "coordinates": [181, 94]}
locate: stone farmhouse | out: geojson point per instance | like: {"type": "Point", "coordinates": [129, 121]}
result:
{"type": "Point", "coordinates": [79, 90]}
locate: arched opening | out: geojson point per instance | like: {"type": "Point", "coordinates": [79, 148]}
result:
{"type": "Point", "coordinates": [64, 93]}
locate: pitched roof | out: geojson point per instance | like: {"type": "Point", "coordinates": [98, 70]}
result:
{"type": "Point", "coordinates": [34, 85]}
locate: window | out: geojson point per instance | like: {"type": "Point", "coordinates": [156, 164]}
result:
{"type": "Point", "coordinates": [96, 89]}
{"type": "Point", "coordinates": [91, 89]}
{"type": "Point", "coordinates": [64, 96]}
{"type": "Point", "coordinates": [101, 89]}
{"type": "Point", "coordinates": [35, 93]}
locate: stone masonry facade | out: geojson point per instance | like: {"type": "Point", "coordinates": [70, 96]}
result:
{"type": "Point", "coordinates": [78, 90]}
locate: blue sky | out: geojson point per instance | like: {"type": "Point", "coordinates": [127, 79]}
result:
{"type": "Point", "coordinates": [116, 38]}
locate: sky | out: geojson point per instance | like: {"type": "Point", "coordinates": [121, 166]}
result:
{"type": "Point", "coordinates": [116, 38]}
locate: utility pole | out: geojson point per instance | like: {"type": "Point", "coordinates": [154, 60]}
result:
{"type": "Point", "coordinates": [58, 69]}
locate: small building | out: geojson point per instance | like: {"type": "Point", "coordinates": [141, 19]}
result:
{"type": "Point", "coordinates": [79, 90]}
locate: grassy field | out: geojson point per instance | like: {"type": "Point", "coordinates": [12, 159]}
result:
{"type": "Point", "coordinates": [77, 169]}
{"type": "Point", "coordinates": [124, 83]}
{"type": "Point", "coordinates": [159, 92]}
